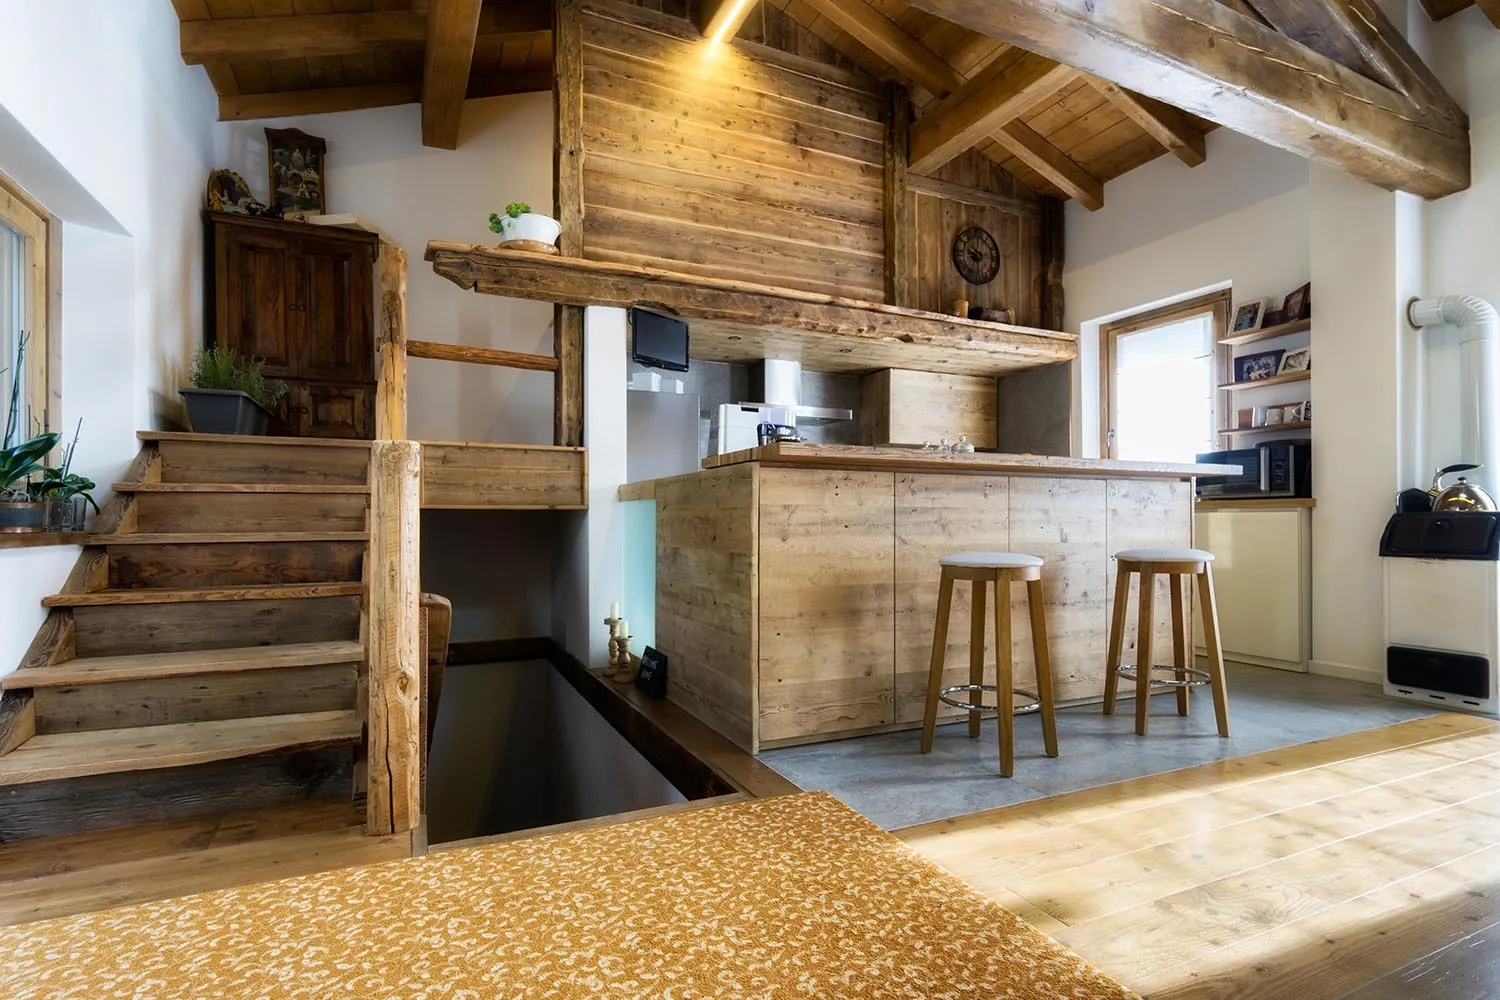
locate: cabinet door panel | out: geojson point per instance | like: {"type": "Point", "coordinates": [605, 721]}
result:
{"type": "Point", "coordinates": [1260, 573]}
{"type": "Point", "coordinates": [334, 411]}
{"type": "Point", "coordinates": [826, 602]}
{"type": "Point", "coordinates": [334, 310]}
{"type": "Point", "coordinates": [252, 301]}
{"type": "Point", "coordinates": [937, 515]}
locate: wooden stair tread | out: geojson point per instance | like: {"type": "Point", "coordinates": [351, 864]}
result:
{"type": "Point", "coordinates": [162, 595]}
{"type": "Point", "coordinates": [107, 751]}
{"type": "Point", "coordinates": [237, 488]}
{"type": "Point", "coordinates": [152, 666]}
{"type": "Point", "coordinates": [264, 440]}
{"type": "Point", "coordinates": [200, 537]}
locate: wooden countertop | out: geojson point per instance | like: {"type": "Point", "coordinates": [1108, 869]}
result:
{"type": "Point", "coordinates": [1256, 503]}
{"type": "Point", "coordinates": [848, 456]}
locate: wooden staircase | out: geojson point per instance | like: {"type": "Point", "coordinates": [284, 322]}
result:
{"type": "Point", "coordinates": [205, 658]}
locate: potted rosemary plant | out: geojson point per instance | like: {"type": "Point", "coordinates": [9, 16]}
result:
{"type": "Point", "coordinates": [520, 223]}
{"type": "Point", "coordinates": [19, 459]}
{"type": "Point", "coordinates": [230, 393]}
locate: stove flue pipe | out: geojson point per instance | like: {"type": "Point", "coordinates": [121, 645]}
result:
{"type": "Point", "coordinates": [1478, 356]}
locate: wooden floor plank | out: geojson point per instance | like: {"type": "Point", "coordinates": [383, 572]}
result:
{"type": "Point", "coordinates": [180, 874]}
{"type": "Point", "coordinates": [157, 666]}
{"type": "Point", "coordinates": [1308, 872]}
{"type": "Point", "coordinates": [108, 751]}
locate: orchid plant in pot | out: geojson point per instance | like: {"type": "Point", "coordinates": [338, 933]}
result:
{"type": "Point", "coordinates": [64, 493]}
{"type": "Point", "coordinates": [520, 223]}
{"type": "Point", "coordinates": [20, 458]}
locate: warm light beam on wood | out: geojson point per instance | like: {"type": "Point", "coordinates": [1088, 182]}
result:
{"type": "Point", "coordinates": [723, 20]}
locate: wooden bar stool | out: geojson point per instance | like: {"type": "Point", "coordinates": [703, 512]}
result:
{"type": "Point", "coordinates": [1000, 569]}
{"type": "Point", "coordinates": [1178, 565]}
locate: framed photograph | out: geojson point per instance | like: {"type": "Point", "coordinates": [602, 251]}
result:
{"type": "Point", "coordinates": [1254, 367]}
{"type": "Point", "coordinates": [1271, 317]}
{"type": "Point", "coordinates": [1244, 418]}
{"type": "Point", "coordinates": [1257, 416]}
{"type": "Point", "coordinates": [1273, 416]}
{"type": "Point", "coordinates": [1295, 361]}
{"type": "Point", "coordinates": [295, 162]}
{"type": "Point", "coordinates": [1247, 316]}
{"type": "Point", "coordinates": [1298, 304]}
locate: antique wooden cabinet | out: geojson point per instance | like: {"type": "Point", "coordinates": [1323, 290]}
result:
{"type": "Point", "coordinates": [300, 298]}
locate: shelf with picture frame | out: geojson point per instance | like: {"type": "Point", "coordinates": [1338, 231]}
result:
{"type": "Point", "coordinates": [1242, 374]}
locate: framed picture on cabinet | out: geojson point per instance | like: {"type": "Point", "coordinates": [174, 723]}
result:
{"type": "Point", "coordinates": [295, 162]}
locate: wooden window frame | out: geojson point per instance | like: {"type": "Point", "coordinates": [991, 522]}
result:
{"type": "Point", "coordinates": [28, 218]}
{"type": "Point", "coordinates": [1216, 303]}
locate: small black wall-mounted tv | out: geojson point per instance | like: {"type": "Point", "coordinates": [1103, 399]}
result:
{"type": "Point", "coordinates": [659, 341]}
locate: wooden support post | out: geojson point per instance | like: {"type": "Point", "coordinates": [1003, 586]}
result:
{"type": "Point", "coordinates": [567, 178]}
{"type": "Point", "coordinates": [898, 205]}
{"type": "Point", "coordinates": [394, 745]}
{"type": "Point", "coordinates": [390, 388]}
{"type": "Point", "coordinates": [1048, 290]}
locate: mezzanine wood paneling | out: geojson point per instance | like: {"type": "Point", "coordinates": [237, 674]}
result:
{"type": "Point", "coordinates": [732, 162]}
{"type": "Point", "coordinates": [1012, 216]}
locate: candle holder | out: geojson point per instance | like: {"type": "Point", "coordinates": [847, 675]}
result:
{"type": "Point", "coordinates": [625, 662]}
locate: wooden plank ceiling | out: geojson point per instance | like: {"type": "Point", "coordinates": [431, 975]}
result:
{"type": "Point", "coordinates": [1061, 131]}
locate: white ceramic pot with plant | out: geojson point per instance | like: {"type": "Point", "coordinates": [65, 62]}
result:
{"type": "Point", "coordinates": [520, 223]}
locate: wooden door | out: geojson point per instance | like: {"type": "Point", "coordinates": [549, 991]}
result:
{"type": "Point", "coordinates": [332, 302]}
{"type": "Point", "coordinates": [827, 570]}
{"type": "Point", "coordinates": [252, 267]}
{"type": "Point", "coordinates": [331, 409]}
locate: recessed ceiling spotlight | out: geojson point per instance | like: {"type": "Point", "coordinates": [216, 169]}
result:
{"type": "Point", "coordinates": [733, 336]}
{"type": "Point", "coordinates": [846, 350]}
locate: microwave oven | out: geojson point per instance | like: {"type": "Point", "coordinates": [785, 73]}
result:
{"type": "Point", "coordinates": [1282, 469]}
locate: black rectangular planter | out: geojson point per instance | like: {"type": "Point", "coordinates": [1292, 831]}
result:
{"type": "Point", "coordinates": [224, 411]}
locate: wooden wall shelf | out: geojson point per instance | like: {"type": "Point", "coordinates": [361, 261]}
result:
{"type": "Point", "coordinates": [738, 321]}
{"type": "Point", "coordinates": [1286, 379]}
{"type": "Point", "coordinates": [1267, 333]}
{"type": "Point", "coordinates": [1296, 425]}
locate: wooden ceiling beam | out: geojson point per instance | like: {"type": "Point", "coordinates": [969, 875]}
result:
{"type": "Point", "coordinates": [287, 103]}
{"type": "Point", "coordinates": [452, 29]}
{"type": "Point", "coordinates": [1357, 34]}
{"type": "Point", "coordinates": [1440, 10]}
{"type": "Point", "coordinates": [1491, 10]}
{"type": "Point", "coordinates": [1055, 166]}
{"type": "Point", "coordinates": [300, 36]}
{"type": "Point", "coordinates": [722, 19]}
{"type": "Point", "coordinates": [884, 38]}
{"type": "Point", "coordinates": [1162, 122]}
{"type": "Point", "coordinates": [1203, 57]}
{"type": "Point", "coordinates": [997, 94]}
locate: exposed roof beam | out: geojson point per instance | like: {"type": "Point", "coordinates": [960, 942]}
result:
{"type": "Point", "coordinates": [1357, 34]}
{"type": "Point", "coordinates": [997, 94]}
{"type": "Point", "coordinates": [883, 37]}
{"type": "Point", "coordinates": [302, 35]}
{"type": "Point", "coordinates": [287, 103]}
{"type": "Point", "coordinates": [1062, 172]}
{"type": "Point", "coordinates": [1162, 122]}
{"type": "Point", "coordinates": [452, 28]}
{"type": "Point", "coordinates": [722, 19]}
{"type": "Point", "coordinates": [1440, 10]}
{"type": "Point", "coordinates": [1491, 10]}
{"type": "Point", "coordinates": [1200, 56]}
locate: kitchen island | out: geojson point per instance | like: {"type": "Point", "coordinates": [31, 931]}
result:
{"type": "Point", "coordinates": [796, 584]}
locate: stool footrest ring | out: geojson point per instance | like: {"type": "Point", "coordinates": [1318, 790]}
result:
{"type": "Point", "coordinates": [1034, 704]}
{"type": "Point", "coordinates": [1195, 677]}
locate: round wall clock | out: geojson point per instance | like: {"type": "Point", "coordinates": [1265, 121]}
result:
{"type": "Point", "coordinates": [976, 256]}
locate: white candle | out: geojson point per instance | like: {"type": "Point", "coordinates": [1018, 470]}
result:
{"type": "Point", "coordinates": [624, 628]}
{"type": "Point", "coordinates": [614, 609]}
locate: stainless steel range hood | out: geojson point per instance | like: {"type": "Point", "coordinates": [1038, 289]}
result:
{"type": "Point", "coordinates": [774, 382]}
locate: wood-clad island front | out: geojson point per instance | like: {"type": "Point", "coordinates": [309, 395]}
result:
{"type": "Point", "coordinates": [797, 584]}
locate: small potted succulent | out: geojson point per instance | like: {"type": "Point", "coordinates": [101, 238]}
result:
{"type": "Point", "coordinates": [520, 223]}
{"type": "Point", "coordinates": [20, 458]}
{"type": "Point", "coordinates": [64, 494]}
{"type": "Point", "coordinates": [230, 393]}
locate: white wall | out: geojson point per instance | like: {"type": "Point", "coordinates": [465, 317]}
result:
{"type": "Point", "coordinates": [1263, 221]}
{"type": "Point", "coordinates": [378, 168]}
{"type": "Point", "coordinates": [102, 123]}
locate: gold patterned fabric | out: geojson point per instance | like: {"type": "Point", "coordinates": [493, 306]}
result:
{"type": "Point", "coordinates": [795, 897]}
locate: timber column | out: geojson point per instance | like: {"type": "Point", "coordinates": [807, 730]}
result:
{"type": "Point", "coordinates": [567, 187]}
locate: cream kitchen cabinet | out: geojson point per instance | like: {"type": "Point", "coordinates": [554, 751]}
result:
{"type": "Point", "coordinates": [1263, 577]}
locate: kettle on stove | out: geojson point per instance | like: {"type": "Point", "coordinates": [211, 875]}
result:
{"type": "Point", "coordinates": [1462, 497]}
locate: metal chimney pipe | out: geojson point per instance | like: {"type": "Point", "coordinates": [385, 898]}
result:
{"type": "Point", "coordinates": [1479, 355]}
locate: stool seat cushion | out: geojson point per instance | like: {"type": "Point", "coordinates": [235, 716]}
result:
{"type": "Point", "coordinates": [1165, 555]}
{"type": "Point", "coordinates": [991, 560]}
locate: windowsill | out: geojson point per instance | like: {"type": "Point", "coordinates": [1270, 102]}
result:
{"type": "Point", "coordinates": [40, 539]}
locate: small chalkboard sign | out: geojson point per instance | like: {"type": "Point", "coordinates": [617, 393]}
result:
{"type": "Point", "coordinates": [652, 679]}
